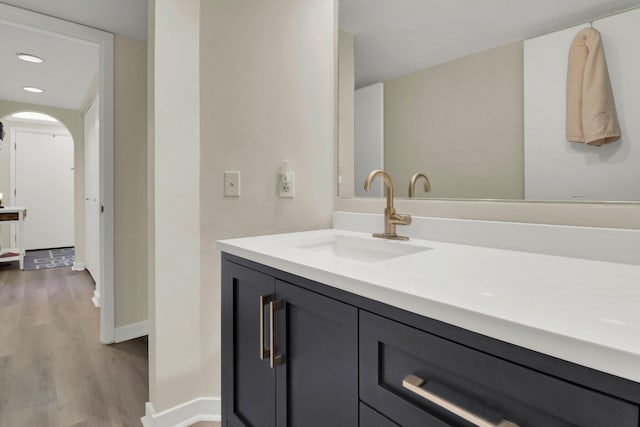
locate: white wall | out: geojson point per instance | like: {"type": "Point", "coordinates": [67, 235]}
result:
{"type": "Point", "coordinates": [130, 186]}
{"type": "Point", "coordinates": [346, 88]}
{"type": "Point", "coordinates": [559, 170]}
{"type": "Point", "coordinates": [175, 346]}
{"type": "Point", "coordinates": [151, 223]}
{"type": "Point", "coordinates": [276, 103]}
{"type": "Point", "coordinates": [369, 138]}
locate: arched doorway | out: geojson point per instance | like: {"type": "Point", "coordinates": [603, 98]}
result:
{"type": "Point", "coordinates": [41, 178]}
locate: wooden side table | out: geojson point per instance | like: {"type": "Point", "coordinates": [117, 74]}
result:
{"type": "Point", "coordinates": [16, 215]}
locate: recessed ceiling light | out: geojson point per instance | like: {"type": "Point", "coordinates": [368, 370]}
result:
{"type": "Point", "coordinates": [29, 58]}
{"type": "Point", "coordinates": [33, 89]}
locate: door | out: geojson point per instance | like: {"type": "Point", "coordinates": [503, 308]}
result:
{"type": "Point", "coordinates": [317, 383]}
{"type": "Point", "coordinates": [314, 382]}
{"type": "Point", "coordinates": [44, 185]}
{"type": "Point", "coordinates": [92, 192]}
{"type": "Point", "coordinates": [249, 382]}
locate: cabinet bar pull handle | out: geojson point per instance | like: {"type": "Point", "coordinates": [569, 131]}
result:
{"type": "Point", "coordinates": [413, 383]}
{"type": "Point", "coordinates": [275, 360]}
{"type": "Point", "coordinates": [264, 300]}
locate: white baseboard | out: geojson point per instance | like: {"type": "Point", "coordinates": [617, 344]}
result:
{"type": "Point", "coordinates": [96, 298]}
{"type": "Point", "coordinates": [78, 266]}
{"type": "Point", "coordinates": [185, 414]}
{"type": "Point", "coordinates": [134, 330]}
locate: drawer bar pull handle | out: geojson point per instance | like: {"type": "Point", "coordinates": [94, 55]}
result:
{"type": "Point", "coordinates": [413, 383]}
{"type": "Point", "coordinates": [264, 300]}
{"type": "Point", "coordinates": [274, 360]}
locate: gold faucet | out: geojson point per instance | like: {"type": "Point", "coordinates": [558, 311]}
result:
{"type": "Point", "coordinates": [414, 179]}
{"type": "Point", "coordinates": [391, 218]}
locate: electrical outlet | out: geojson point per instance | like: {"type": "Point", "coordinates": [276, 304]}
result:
{"type": "Point", "coordinates": [232, 184]}
{"type": "Point", "coordinates": [287, 186]}
{"type": "Point", "coordinates": [286, 181]}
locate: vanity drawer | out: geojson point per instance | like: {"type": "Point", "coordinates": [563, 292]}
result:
{"type": "Point", "coordinates": [371, 418]}
{"type": "Point", "coordinates": [478, 383]}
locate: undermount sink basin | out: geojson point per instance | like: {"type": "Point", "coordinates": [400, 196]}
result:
{"type": "Point", "coordinates": [361, 249]}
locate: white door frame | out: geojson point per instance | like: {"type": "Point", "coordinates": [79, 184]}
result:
{"type": "Point", "coordinates": [26, 19]}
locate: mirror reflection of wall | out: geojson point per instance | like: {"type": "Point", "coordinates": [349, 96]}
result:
{"type": "Point", "coordinates": [456, 123]}
{"type": "Point", "coordinates": [463, 122]}
{"type": "Point", "coordinates": [559, 170]}
{"type": "Point", "coordinates": [369, 137]}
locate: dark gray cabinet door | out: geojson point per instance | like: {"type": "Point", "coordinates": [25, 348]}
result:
{"type": "Point", "coordinates": [371, 418]}
{"type": "Point", "coordinates": [317, 383]}
{"type": "Point", "coordinates": [249, 383]}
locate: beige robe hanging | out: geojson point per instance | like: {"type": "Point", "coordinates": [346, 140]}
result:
{"type": "Point", "coordinates": [591, 110]}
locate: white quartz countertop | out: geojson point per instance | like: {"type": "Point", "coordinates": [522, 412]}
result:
{"type": "Point", "coordinates": [583, 311]}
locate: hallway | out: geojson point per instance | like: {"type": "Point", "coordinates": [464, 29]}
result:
{"type": "Point", "coordinates": [53, 370]}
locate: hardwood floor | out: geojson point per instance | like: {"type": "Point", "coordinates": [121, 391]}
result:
{"type": "Point", "coordinates": [53, 370]}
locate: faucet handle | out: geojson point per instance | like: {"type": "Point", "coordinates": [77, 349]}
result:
{"type": "Point", "coordinates": [391, 220]}
{"type": "Point", "coordinates": [400, 219]}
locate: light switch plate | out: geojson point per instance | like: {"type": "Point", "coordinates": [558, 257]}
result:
{"type": "Point", "coordinates": [232, 183]}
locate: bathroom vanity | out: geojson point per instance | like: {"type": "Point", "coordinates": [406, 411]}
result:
{"type": "Point", "coordinates": [336, 328]}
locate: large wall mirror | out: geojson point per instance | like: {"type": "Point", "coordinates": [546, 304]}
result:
{"type": "Point", "coordinates": [473, 94]}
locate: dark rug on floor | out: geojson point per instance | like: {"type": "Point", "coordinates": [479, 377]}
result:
{"type": "Point", "coordinates": [49, 258]}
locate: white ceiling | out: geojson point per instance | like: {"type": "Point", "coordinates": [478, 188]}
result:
{"type": "Point", "coordinates": [393, 38]}
{"type": "Point", "coordinates": [66, 75]}
{"type": "Point", "coordinates": [126, 17]}
{"type": "Point", "coordinates": [70, 64]}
